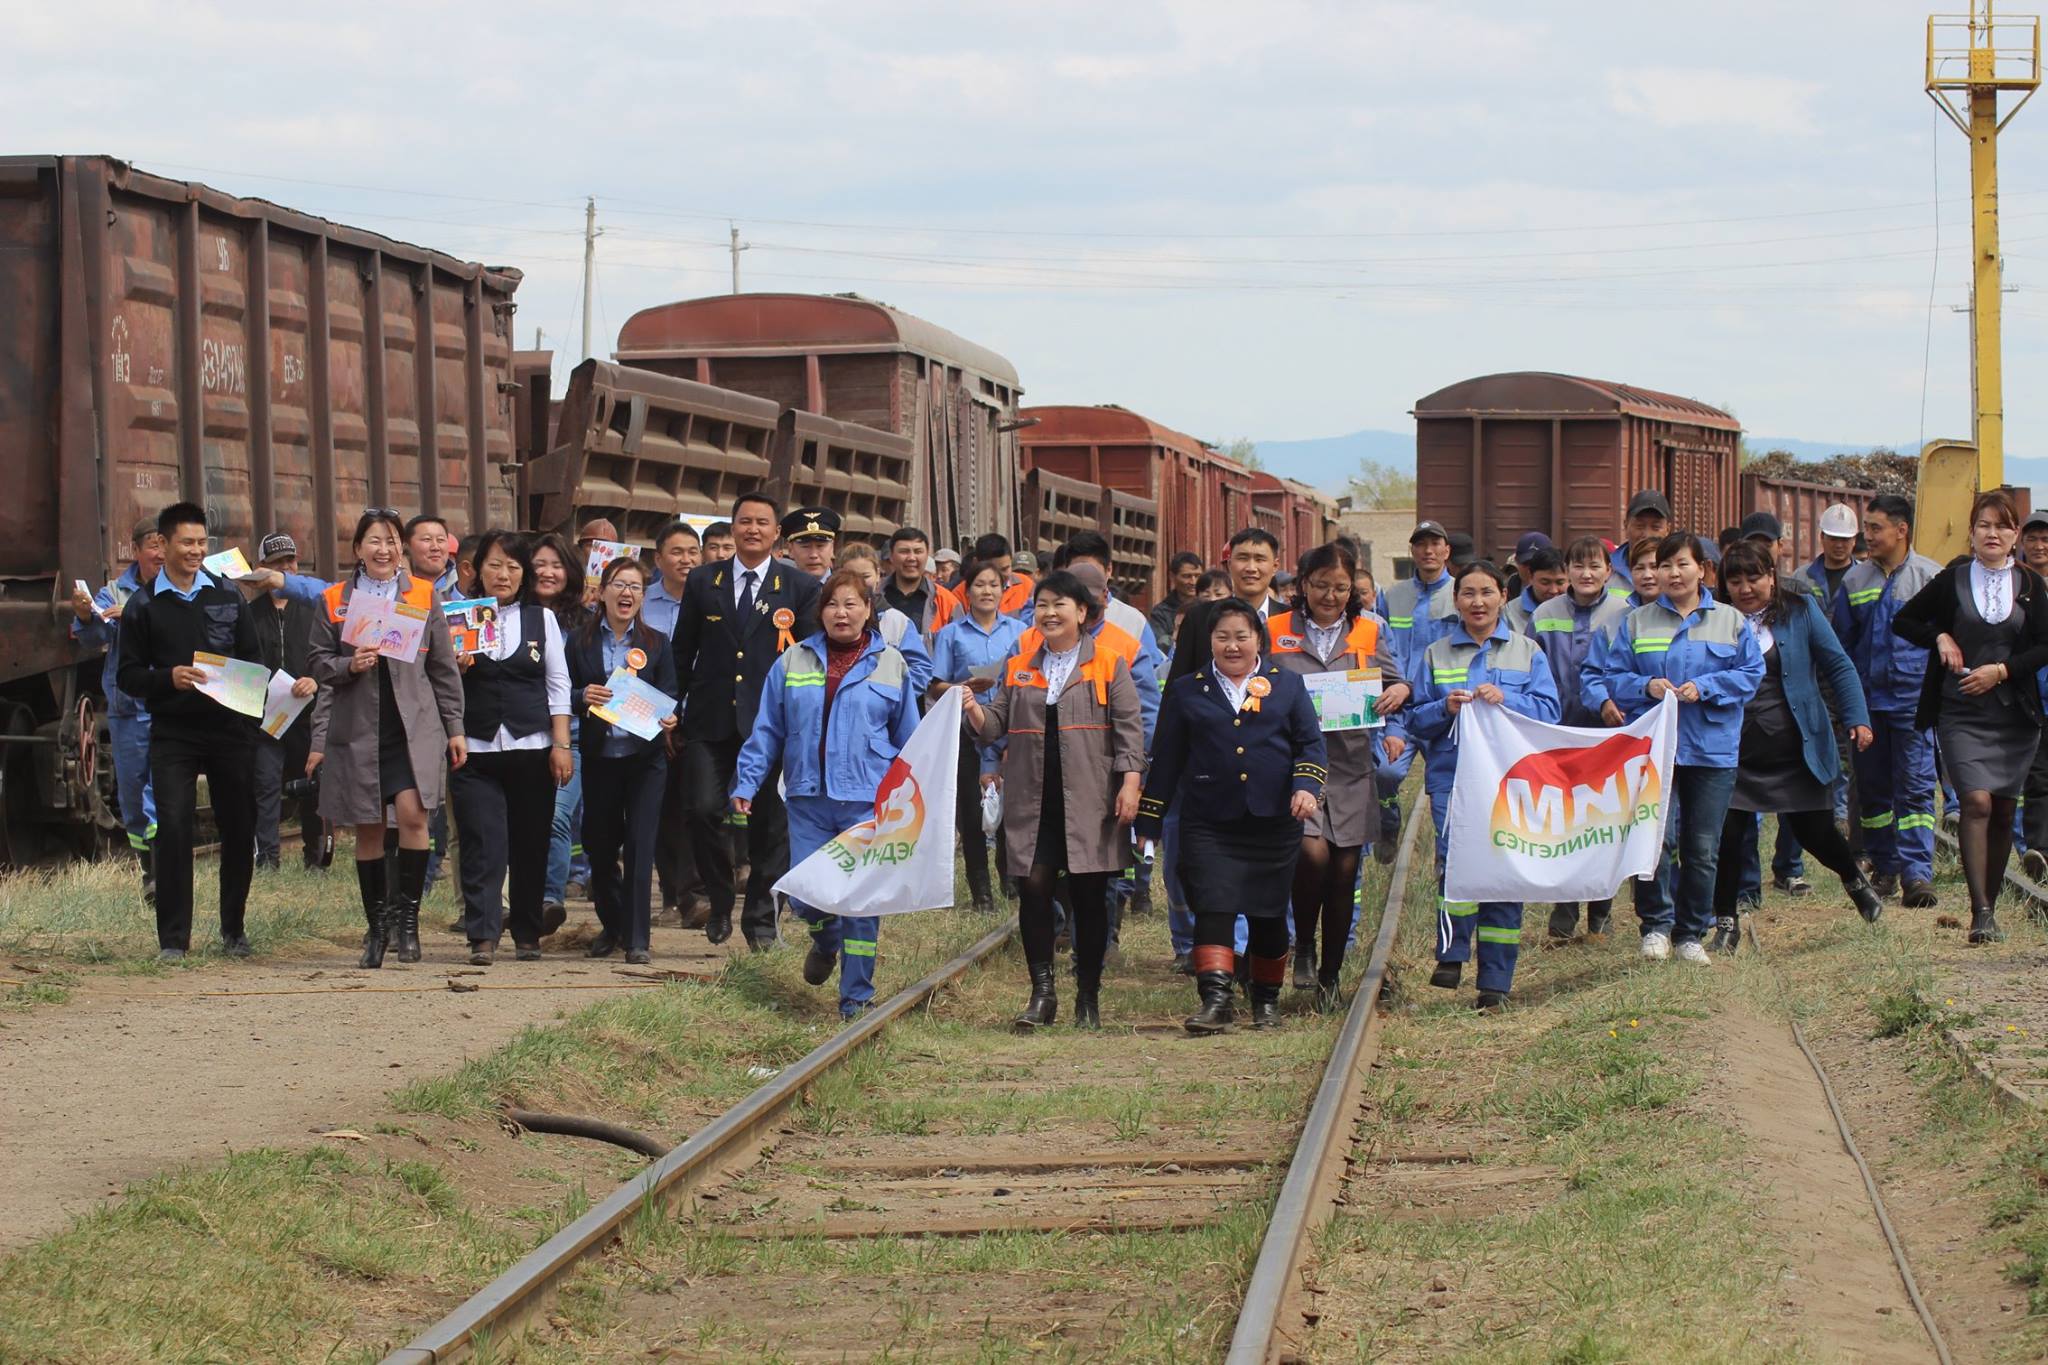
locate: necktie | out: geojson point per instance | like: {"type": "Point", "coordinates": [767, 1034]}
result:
{"type": "Point", "coordinates": [746, 603]}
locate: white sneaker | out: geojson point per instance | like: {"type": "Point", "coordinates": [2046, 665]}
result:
{"type": "Point", "coordinates": [1656, 946]}
{"type": "Point", "coordinates": [1692, 950]}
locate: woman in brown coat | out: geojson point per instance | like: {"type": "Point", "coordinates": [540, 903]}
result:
{"type": "Point", "coordinates": [1064, 804]}
{"type": "Point", "coordinates": [382, 728]}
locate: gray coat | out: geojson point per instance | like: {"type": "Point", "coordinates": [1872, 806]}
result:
{"type": "Point", "coordinates": [1350, 815]}
{"type": "Point", "coordinates": [1098, 743]}
{"type": "Point", "coordinates": [429, 695]}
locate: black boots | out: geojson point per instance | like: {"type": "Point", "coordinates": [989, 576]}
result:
{"type": "Point", "coordinates": [1087, 985]}
{"type": "Point", "coordinates": [1868, 903]}
{"type": "Point", "coordinates": [1564, 921]}
{"type": "Point", "coordinates": [1043, 1006]}
{"type": "Point", "coordinates": [1269, 974]}
{"type": "Point", "coordinates": [1984, 926]}
{"type": "Point", "coordinates": [405, 906]}
{"type": "Point", "coordinates": [147, 857]}
{"type": "Point", "coordinates": [1304, 965]}
{"type": "Point", "coordinates": [1215, 1014]}
{"type": "Point", "coordinates": [1447, 975]}
{"type": "Point", "coordinates": [370, 879]}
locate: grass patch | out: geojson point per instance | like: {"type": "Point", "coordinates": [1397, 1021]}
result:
{"type": "Point", "coordinates": [43, 988]}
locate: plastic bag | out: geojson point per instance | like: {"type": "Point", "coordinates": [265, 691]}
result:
{"type": "Point", "coordinates": [991, 809]}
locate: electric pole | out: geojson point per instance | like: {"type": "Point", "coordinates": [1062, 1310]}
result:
{"type": "Point", "coordinates": [738, 246]}
{"type": "Point", "coordinates": [590, 232]}
{"type": "Point", "coordinates": [1969, 60]}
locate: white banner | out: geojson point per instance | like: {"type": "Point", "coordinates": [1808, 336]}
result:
{"type": "Point", "coordinates": [902, 859]}
{"type": "Point", "coordinates": [1544, 812]}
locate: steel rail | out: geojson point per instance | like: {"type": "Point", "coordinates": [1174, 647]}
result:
{"type": "Point", "coordinates": [1315, 1176]}
{"type": "Point", "coordinates": [732, 1139]}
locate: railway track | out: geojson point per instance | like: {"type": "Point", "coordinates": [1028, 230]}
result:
{"type": "Point", "coordinates": [1062, 1141]}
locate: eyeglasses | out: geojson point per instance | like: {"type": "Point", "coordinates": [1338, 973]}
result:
{"type": "Point", "coordinates": [1329, 589]}
{"type": "Point", "coordinates": [391, 512]}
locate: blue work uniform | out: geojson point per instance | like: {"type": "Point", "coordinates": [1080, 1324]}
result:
{"type": "Point", "coordinates": [832, 766]}
{"type": "Point", "coordinates": [1457, 663]}
{"type": "Point", "coordinates": [1895, 775]}
{"type": "Point", "coordinates": [962, 646]}
{"type": "Point", "coordinates": [1567, 632]}
{"type": "Point", "coordinates": [658, 607]}
{"type": "Point", "coordinates": [1417, 614]}
{"type": "Point", "coordinates": [1713, 648]}
{"type": "Point", "coordinates": [127, 718]}
{"type": "Point", "coordinates": [1520, 613]}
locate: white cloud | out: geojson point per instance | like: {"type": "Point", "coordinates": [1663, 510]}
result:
{"type": "Point", "coordinates": [1707, 97]}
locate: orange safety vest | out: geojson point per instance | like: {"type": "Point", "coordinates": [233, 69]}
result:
{"type": "Point", "coordinates": [1099, 670]}
{"type": "Point", "coordinates": [1015, 594]}
{"type": "Point", "coordinates": [1110, 639]}
{"type": "Point", "coordinates": [419, 595]}
{"type": "Point", "coordinates": [1362, 643]}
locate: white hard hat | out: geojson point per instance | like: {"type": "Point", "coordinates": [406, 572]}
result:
{"type": "Point", "coordinates": [1839, 520]}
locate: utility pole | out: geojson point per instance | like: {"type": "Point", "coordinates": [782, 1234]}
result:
{"type": "Point", "coordinates": [738, 246]}
{"type": "Point", "coordinates": [1969, 60]}
{"type": "Point", "coordinates": [590, 232]}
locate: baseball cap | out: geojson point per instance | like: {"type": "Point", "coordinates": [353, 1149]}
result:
{"type": "Point", "coordinates": [1649, 500]}
{"type": "Point", "coordinates": [1462, 548]}
{"type": "Point", "coordinates": [2036, 519]}
{"type": "Point", "coordinates": [1530, 543]}
{"type": "Point", "coordinates": [1425, 529]}
{"type": "Point", "coordinates": [1763, 526]}
{"type": "Point", "coordinates": [946, 557]}
{"type": "Point", "coordinates": [1024, 561]}
{"type": "Point", "coordinates": [1840, 520]}
{"type": "Point", "coordinates": [276, 546]}
{"type": "Point", "coordinates": [1713, 551]}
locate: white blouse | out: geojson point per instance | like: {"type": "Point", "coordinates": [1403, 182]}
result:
{"type": "Point", "coordinates": [1058, 669]}
{"type": "Point", "coordinates": [1324, 640]}
{"type": "Point", "coordinates": [554, 659]}
{"type": "Point", "coordinates": [1992, 589]}
{"type": "Point", "coordinates": [1236, 692]}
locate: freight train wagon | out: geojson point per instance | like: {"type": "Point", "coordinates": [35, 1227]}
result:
{"type": "Point", "coordinates": [851, 360]}
{"type": "Point", "coordinates": [165, 341]}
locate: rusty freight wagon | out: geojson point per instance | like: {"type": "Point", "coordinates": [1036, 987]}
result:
{"type": "Point", "coordinates": [1306, 517]}
{"type": "Point", "coordinates": [163, 340]}
{"type": "Point", "coordinates": [1508, 453]}
{"type": "Point", "coordinates": [862, 363]}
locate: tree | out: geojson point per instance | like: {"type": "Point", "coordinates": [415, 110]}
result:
{"type": "Point", "coordinates": [1244, 450]}
{"type": "Point", "coordinates": [1380, 486]}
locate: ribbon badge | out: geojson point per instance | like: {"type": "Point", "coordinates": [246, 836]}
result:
{"type": "Point", "coordinates": [1253, 690]}
{"type": "Point", "coordinates": [636, 659]}
{"type": "Point", "coordinates": [784, 618]}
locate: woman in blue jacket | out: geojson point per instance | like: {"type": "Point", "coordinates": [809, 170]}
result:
{"type": "Point", "coordinates": [1482, 661]}
{"type": "Point", "coordinates": [624, 775]}
{"type": "Point", "coordinates": [1789, 761]}
{"type": "Point", "coordinates": [836, 709]}
{"type": "Point", "coordinates": [1687, 645]}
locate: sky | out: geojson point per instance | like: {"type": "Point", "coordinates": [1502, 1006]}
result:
{"type": "Point", "coordinates": [1282, 220]}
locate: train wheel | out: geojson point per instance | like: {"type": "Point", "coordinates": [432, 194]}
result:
{"type": "Point", "coordinates": [21, 832]}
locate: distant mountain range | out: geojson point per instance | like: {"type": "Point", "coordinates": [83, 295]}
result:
{"type": "Point", "coordinates": [1327, 462]}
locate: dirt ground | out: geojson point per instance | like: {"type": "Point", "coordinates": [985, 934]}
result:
{"type": "Point", "coordinates": [130, 1077]}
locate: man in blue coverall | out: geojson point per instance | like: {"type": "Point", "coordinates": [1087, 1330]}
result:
{"type": "Point", "coordinates": [98, 625]}
{"type": "Point", "coordinates": [1895, 775]}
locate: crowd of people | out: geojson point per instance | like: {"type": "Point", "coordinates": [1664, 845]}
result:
{"type": "Point", "coordinates": [1112, 741]}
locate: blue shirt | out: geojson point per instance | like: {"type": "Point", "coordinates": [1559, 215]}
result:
{"type": "Point", "coordinates": [102, 633]}
{"type": "Point", "coordinates": [962, 646]}
{"type": "Point", "coordinates": [619, 743]}
{"type": "Point", "coordinates": [163, 584]}
{"type": "Point", "coordinates": [658, 609]}
{"type": "Point", "coordinates": [300, 587]}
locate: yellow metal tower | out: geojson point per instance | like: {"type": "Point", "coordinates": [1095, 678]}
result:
{"type": "Point", "coordinates": [1970, 58]}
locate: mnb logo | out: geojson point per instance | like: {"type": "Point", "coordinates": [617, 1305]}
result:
{"type": "Point", "coordinates": [1558, 801]}
{"type": "Point", "coordinates": [891, 837]}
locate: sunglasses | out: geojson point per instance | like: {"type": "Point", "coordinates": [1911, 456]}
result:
{"type": "Point", "coordinates": [391, 512]}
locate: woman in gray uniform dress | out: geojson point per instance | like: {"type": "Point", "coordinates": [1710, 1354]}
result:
{"type": "Point", "coordinates": [1986, 618]}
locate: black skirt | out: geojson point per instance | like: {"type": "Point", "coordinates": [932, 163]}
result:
{"type": "Point", "coordinates": [1243, 868]}
{"type": "Point", "coordinates": [1051, 850]}
{"type": "Point", "coordinates": [394, 757]}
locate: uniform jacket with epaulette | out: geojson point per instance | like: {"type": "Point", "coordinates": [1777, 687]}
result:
{"type": "Point", "coordinates": [722, 661]}
{"type": "Point", "coordinates": [872, 716]}
{"type": "Point", "coordinates": [1225, 765]}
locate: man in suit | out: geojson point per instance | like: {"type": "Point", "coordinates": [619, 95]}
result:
{"type": "Point", "coordinates": [736, 618]}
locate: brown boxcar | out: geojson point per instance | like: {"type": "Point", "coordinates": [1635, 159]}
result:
{"type": "Point", "coordinates": [1055, 507]}
{"type": "Point", "coordinates": [162, 340]}
{"type": "Point", "coordinates": [1508, 453]}
{"type": "Point", "coordinates": [1307, 518]}
{"type": "Point", "coordinates": [850, 358]}
{"type": "Point", "coordinates": [1798, 507]}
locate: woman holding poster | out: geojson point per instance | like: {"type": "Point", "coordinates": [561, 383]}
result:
{"type": "Point", "coordinates": [626, 774]}
{"type": "Point", "coordinates": [1686, 645]}
{"type": "Point", "coordinates": [382, 727]}
{"type": "Point", "coordinates": [1332, 632]}
{"type": "Point", "coordinates": [1239, 747]}
{"type": "Point", "coordinates": [558, 586]}
{"type": "Point", "coordinates": [517, 715]}
{"type": "Point", "coordinates": [836, 709]}
{"type": "Point", "coordinates": [1789, 760]}
{"type": "Point", "coordinates": [1487, 663]}
{"type": "Point", "coordinates": [1070, 773]}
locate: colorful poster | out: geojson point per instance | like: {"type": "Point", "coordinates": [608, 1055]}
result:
{"type": "Point", "coordinates": [228, 563]}
{"type": "Point", "coordinates": [280, 707]}
{"type": "Point", "coordinates": [1346, 699]}
{"type": "Point", "coordinates": [395, 628]}
{"type": "Point", "coordinates": [1543, 812]}
{"type": "Point", "coordinates": [235, 683]}
{"type": "Point", "coordinates": [603, 552]}
{"type": "Point", "coordinates": [635, 707]}
{"type": "Point", "coordinates": [902, 859]}
{"type": "Point", "coordinates": [472, 624]}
